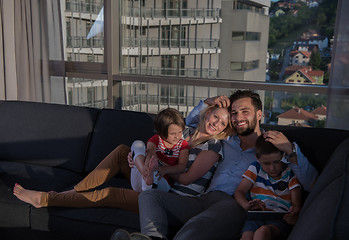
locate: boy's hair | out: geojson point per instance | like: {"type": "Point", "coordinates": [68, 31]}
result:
{"type": "Point", "coordinates": [256, 100]}
{"type": "Point", "coordinates": [265, 147]}
{"type": "Point", "coordinates": [165, 118]}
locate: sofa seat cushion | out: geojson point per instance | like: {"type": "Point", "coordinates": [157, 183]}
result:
{"type": "Point", "coordinates": [35, 177]}
{"type": "Point", "coordinates": [84, 223]}
{"type": "Point", "coordinates": [14, 212]}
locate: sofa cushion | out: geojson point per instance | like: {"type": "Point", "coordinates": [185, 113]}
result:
{"type": "Point", "coordinates": [45, 134]}
{"type": "Point", "coordinates": [325, 211]}
{"type": "Point", "coordinates": [115, 127]}
{"type": "Point", "coordinates": [84, 223]}
{"type": "Point", "coordinates": [14, 212]}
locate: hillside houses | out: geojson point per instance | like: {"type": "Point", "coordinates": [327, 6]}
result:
{"type": "Point", "coordinates": [304, 76]}
{"type": "Point", "coordinates": [320, 41]}
{"type": "Point", "coordinates": [299, 58]}
{"type": "Point", "coordinates": [320, 112]}
{"type": "Point", "coordinates": [300, 117]}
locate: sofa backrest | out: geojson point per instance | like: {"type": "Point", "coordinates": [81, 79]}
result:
{"type": "Point", "coordinates": [45, 134]}
{"type": "Point", "coordinates": [317, 144]}
{"type": "Point", "coordinates": [115, 127]}
{"type": "Point", "coordinates": [325, 212]}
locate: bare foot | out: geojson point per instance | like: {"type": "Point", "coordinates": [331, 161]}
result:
{"type": "Point", "coordinates": [29, 196]}
{"type": "Point", "coordinates": [153, 163]}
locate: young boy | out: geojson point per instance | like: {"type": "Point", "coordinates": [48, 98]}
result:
{"type": "Point", "coordinates": [166, 152]}
{"type": "Point", "coordinates": [273, 187]}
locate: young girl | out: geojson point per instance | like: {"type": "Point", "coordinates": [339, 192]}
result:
{"type": "Point", "coordinates": [167, 153]}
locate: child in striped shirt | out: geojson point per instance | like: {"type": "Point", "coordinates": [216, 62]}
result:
{"type": "Point", "coordinates": [272, 186]}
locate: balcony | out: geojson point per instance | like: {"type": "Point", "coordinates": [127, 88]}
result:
{"type": "Point", "coordinates": [171, 43]}
{"type": "Point", "coordinates": [83, 42]}
{"type": "Point", "coordinates": [172, 13]}
{"type": "Point", "coordinates": [174, 72]}
{"type": "Point", "coordinates": [83, 7]}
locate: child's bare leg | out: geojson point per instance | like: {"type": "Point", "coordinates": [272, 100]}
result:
{"type": "Point", "coordinates": [248, 235]}
{"type": "Point", "coordinates": [139, 162]}
{"type": "Point", "coordinates": [267, 232]}
{"type": "Point", "coordinates": [153, 163]}
{"type": "Point", "coordinates": [29, 196]}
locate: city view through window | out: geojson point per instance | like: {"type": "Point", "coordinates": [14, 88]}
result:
{"type": "Point", "coordinates": [260, 41]}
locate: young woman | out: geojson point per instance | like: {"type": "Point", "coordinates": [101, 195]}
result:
{"type": "Point", "coordinates": [204, 154]}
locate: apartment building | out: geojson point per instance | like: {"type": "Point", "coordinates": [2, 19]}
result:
{"type": "Point", "coordinates": [211, 39]}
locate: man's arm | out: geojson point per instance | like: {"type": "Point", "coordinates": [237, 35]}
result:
{"type": "Point", "coordinates": [305, 172]}
{"type": "Point", "coordinates": [193, 118]}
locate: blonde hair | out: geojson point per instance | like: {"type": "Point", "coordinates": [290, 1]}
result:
{"type": "Point", "coordinates": [194, 141]}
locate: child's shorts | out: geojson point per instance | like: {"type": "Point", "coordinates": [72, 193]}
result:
{"type": "Point", "coordinates": [253, 225]}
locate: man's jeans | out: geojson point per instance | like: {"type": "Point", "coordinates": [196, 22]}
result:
{"type": "Point", "coordinates": [215, 215]}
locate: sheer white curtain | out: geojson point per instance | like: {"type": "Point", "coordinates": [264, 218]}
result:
{"type": "Point", "coordinates": [338, 91]}
{"type": "Point", "coordinates": [30, 36]}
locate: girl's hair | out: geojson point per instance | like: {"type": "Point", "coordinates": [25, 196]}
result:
{"type": "Point", "coordinates": [265, 147]}
{"type": "Point", "coordinates": [201, 126]}
{"type": "Point", "coordinates": [165, 118]}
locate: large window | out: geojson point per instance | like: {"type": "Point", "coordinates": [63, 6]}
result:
{"type": "Point", "coordinates": [173, 53]}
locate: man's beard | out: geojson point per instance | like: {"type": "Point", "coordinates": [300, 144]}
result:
{"type": "Point", "coordinates": [251, 126]}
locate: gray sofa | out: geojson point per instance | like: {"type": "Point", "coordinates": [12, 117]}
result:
{"type": "Point", "coordinates": [52, 147]}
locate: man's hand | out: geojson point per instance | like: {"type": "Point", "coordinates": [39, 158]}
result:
{"type": "Point", "coordinates": [221, 101]}
{"type": "Point", "coordinates": [280, 141]}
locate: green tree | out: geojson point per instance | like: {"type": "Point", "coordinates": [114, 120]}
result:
{"type": "Point", "coordinates": [321, 18]}
{"type": "Point", "coordinates": [320, 123]}
{"type": "Point", "coordinates": [315, 60]}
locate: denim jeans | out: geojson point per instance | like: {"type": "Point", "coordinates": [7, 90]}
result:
{"type": "Point", "coordinates": [215, 215]}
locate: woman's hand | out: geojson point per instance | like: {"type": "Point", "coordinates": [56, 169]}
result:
{"type": "Point", "coordinates": [161, 171]}
{"type": "Point", "coordinates": [131, 164]}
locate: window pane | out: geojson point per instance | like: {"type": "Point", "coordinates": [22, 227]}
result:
{"type": "Point", "coordinates": [83, 30]}
{"type": "Point", "coordinates": [281, 108]}
{"type": "Point", "coordinates": [192, 38]}
{"type": "Point", "coordinates": [87, 92]}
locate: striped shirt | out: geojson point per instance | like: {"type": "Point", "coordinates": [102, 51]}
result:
{"type": "Point", "coordinates": [199, 186]}
{"type": "Point", "coordinates": [168, 155]}
{"type": "Point", "coordinates": [274, 193]}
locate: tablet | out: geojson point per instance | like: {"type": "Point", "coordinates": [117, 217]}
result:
{"type": "Point", "coordinates": [264, 215]}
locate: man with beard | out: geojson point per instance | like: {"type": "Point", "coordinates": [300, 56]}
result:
{"type": "Point", "coordinates": [215, 214]}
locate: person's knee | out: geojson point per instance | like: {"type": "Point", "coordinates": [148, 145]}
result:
{"type": "Point", "coordinates": [122, 149]}
{"type": "Point", "coordinates": [148, 197]}
{"type": "Point", "coordinates": [264, 231]}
